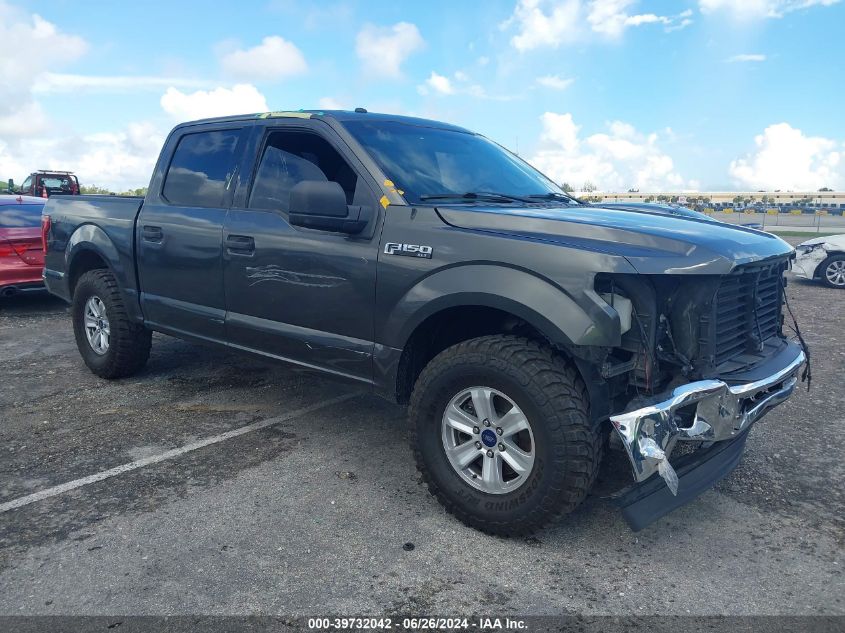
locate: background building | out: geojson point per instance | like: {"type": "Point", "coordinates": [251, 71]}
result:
{"type": "Point", "coordinates": [830, 201]}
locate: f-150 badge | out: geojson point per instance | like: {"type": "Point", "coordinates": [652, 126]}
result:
{"type": "Point", "coordinates": [408, 250]}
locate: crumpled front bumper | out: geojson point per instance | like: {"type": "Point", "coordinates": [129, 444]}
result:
{"type": "Point", "coordinates": [806, 264]}
{"type": "Point", "coordinates": [719, 412]}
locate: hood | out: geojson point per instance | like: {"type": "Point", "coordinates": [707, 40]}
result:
{"type": "Point", "coordinates": [658, 208]}
{"type": "Point", "coordinates": [837, 241]}
{"type": "Point", "coordinates": [652, 243]}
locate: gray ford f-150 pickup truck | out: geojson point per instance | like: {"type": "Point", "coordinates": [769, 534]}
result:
{"type": "Point", "coordinates": [527, 331]}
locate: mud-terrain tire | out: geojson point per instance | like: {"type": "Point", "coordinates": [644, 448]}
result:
{"type": "Point", "coordinates": [505, 371]}
{"type": "Point", "coordinates": [122, 347]}
{"type": "Point", "coordinates": [832, 271]}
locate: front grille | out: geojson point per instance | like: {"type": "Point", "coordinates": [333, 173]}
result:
{"type": "Point", "coordinates": [745, 313]}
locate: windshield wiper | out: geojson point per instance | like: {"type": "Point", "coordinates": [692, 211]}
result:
{"type": "Point", "coordinates": [552, 195]}
{"type": "Point", "coordinates": [485, 196]}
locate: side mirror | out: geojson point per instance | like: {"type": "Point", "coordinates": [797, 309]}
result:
{"type": "Point", "coordinates": [11, 185]}
{"type": "Point", "coordinates": [321, 204]}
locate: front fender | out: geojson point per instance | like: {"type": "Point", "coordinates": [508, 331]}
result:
{"type": "Point", "coordinates": [563, 319]}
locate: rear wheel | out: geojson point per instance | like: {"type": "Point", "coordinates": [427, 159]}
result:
{"type": "Point", "coordinates": [501, 433]}
{"type": "Point", "coordinates": [111, 345]}
{"type": "Point", "coordinates": [832, 271]}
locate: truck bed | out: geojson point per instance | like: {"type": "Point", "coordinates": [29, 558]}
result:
{"type": "Point", "coordinates": [106, 223]}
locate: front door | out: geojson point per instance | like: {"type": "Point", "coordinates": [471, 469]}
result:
{"type": "Point", "coordinates": [179, 236]}
{"type": "Point", "coordinates": [301, 294]}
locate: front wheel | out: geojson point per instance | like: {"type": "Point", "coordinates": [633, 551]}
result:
{"type": "Point", "coordinates": [833, 271]}
{"type": "Point", "coordinates": [111, 345]}
{"type": "Point", "coordinates": [501, 433]}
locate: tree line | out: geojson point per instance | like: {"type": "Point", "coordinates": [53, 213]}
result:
{"type": "Point", "coordinates": [94, 189]}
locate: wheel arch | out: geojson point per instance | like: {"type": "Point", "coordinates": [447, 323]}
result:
{"type": "Point", "coordinates": [83, 261]}
{"type": "Point", "coordinates": [546, 306]}
{"type": "Point", "coordinates": [91, 248]}
{"type": "Point", "coordinates": [502, 302]}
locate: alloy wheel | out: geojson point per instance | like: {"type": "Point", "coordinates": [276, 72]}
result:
{"type": "Point", "coordinates": [97, 325]}
{"type": "Point", "coordinates": [835, 272]}
{"type": "Point", "coordinates": [488, 440]}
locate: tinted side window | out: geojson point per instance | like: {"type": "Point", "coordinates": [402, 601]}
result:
{"type": "Point", "coordinates": [202, 169]}
{"type": "Point", "coordinates": [290, 158]}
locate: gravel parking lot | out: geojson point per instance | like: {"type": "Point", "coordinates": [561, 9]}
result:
{"type": "Point", "coordinates": [315, 514]}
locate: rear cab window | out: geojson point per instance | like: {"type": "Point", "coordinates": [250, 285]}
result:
{"type": "Point", "coordinates": [203, 168]}
{"type": "Point", "coordinates": [59, 183]}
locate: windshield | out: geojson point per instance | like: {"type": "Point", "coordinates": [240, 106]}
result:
{"type": "Point", "coordinates": [428, 162]}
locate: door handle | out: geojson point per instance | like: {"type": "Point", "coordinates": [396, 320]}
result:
{"type": "Point", "coordinates": [240, 244]}
{"type": "Point", "coordinates": [152, 233]}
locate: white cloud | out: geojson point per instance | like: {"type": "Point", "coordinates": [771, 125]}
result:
{"type": "Point", "coordinates": [437, 83]}
{"type": "Point", "coordinates": [615, 160]}
{"type": "Point", "coordinates": [275, 58]}
{"type": "Point", "coordinates": [203, 104]}
{"type": "Point", "coordinates": [759, 9]}
{"type": "Point", "coordinates": [29, 46]}
{"type": "Point", "coordinates": [540, 24]}
{"type": "Point", "coordinates": [117, 160]}
{"type": "Point", "coordinates": [609, 17]}
{"type": "Point", "coordinates": [785, 158]}
{"type": "Point", "coordinates": [678, 25]}
{"type": "Point", "coordinates": [121, 159]}
{"type": "Point", "coordinates": [441, 85]}
{"type": "Point", "coordinates": [59, 82]}
{"type": "Point", "coordinates": [555, 82]}
{"type": "Point", "coordinates": [746, 57]}
{"type": "Point", "coordinates": [32, 51]}
{"type": "Point", "coordinates": [330, 103]}
{"type": "Point", "coordinates": [24, 119]}
{"type": "Point", "coordinates": [553, 23]}
{"type": "Point", "coordinates": [383, 49]}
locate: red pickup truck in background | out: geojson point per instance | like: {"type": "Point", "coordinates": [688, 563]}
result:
{"type": "Point", "coordinates": [45, 183]}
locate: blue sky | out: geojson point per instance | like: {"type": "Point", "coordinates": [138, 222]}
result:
{"type": "Point", "coordinates": [657, 95]}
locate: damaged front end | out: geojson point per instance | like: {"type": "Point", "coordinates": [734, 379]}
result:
{"type": "Point", "coordinates": [809, 258]}
{"type": "Point", "coordinates": [708, 358]}
{"type": "Point", "coordinates": [701, 411]}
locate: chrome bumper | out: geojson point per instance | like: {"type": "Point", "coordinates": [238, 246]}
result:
{"type": "Point", "coordinates": [722, 411]}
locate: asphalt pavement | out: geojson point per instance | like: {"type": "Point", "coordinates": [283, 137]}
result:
{"type": "Point", "coordinates": [213, 483]}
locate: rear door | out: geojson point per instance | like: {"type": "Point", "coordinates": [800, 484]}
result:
{"type": "Point", "coordinates": [301, 294]}
{"type": "Point", "coordinates": [179, 231]}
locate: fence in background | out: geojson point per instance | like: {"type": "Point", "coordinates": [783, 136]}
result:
{"type": "Point", "coordinates": [813, 222]}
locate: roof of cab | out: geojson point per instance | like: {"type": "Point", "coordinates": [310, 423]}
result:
{"type": "Point", "coordinates": [341, 116]}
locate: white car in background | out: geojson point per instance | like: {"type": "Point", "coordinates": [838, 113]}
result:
{"type": "Point", "coordinates": [822, 258]}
